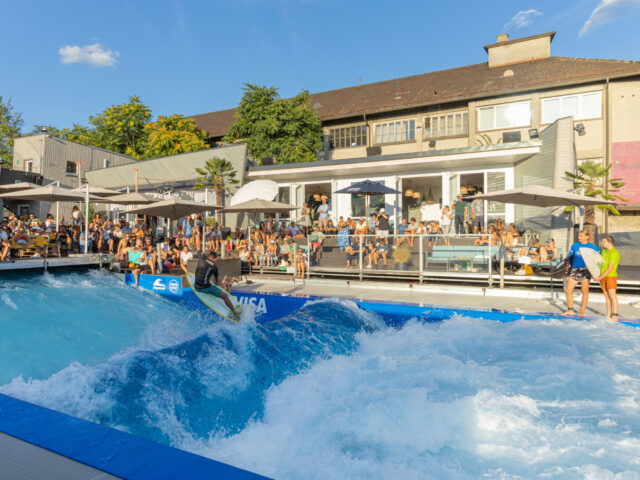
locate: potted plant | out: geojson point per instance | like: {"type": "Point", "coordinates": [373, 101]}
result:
{"type": "Point", "coordinates": [401, 257]}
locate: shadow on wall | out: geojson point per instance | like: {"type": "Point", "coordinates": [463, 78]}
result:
{"type": "Point", "coordinates": [628, 244]}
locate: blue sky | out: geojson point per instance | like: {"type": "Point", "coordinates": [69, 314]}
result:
{"type": "Point", "coordinates": [63, 61]}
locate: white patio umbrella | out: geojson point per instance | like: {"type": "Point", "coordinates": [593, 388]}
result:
{"type": "Point", "coordinates": [15, 187]}
{"type": "Point", "coordinates": [133, 198]}
{"type": "Point", "coordinates": [174, 208]}
{"type": "Point", "coordinates": [539, 196]}
{"type": "Point", "coordinates": [257, 205]}
{"type": "Point", "coordinates": [258, 189]}
{"type": "Point", "coordinates": [98, 191]}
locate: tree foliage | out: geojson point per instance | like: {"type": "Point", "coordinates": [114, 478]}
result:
{"type": "Point", "coordinates": [78, 133]}
{"type": "Point", "coordinates": [121, 128]}
{"type": "Point", "coordinates": [591, 178]}
{"type": "Point", "coordinates": [10, 126]}
{"type": "Point", "coordinates": [219, 174]}
{"type": "Point", "coordinates": [173, 135]}
{"type": "Point", "coordinates": [289, 130]}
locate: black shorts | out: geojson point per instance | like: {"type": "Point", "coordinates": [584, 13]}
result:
{"type": "Point", "coordinates": [580, 274]}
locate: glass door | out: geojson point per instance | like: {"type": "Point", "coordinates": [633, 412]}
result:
{"type": "Point", "coordinates": [494, 181]}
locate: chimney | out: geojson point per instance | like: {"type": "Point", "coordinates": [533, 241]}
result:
{"type": "Point", "coordinates": [521, 50]}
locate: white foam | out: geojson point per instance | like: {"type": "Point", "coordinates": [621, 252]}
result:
{"type": "Point", "coordinates": [464, 399]}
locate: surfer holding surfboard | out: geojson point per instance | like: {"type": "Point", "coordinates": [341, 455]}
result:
{"type": "Point", "coordinates": [608, 277]}
{"type": "Point", "coordinates": [579, 273]}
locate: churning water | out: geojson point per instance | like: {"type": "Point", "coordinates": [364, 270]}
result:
{"type": "Point", "coordinates": [330, 392]}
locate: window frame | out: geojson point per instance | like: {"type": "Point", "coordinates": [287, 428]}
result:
{"type": "Point", "coordinates": [579, 95]}
{"type": "Point", "coordinates": [494, 107]}
{"type": "Point", "coordinates": [73, 173]}
{"type": "Point", "coordinates": [405, 132]}
{"type": "Point", "coordinates": [340, 135]}
{"type": "Point", "coordinates": [435, 121]}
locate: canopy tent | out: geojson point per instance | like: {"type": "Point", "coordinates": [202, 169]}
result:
{"type": "Point", "coordinates": [539, 196]}
{"type": "Point", "coordinates": [258, 189]}
{"type": "Point", "coordinates": [174, 208]}
{"type": "Point", "coordinates": [15, 187]}
{"type": "Point", "coordinates": [368, 188]}
{"type": "Point", "coordinates": [260, 206]}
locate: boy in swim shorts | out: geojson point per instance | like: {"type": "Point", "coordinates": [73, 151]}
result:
{"type": "Point", "coordinates": [609, 276]}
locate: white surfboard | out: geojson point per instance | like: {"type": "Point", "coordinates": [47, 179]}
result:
{"type": "Point", "coordinates": [216, 303]}
{"type": "Point", "coordinates": [592, 259]}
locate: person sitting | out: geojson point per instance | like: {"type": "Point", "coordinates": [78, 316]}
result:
{"type": "Point", "coordinates": [50, 224]}
{"type": "Point", "coordinates": [550, 252]}
{"type": "Point", "coordinates": [381, 251]}
{"type": "Point", "coordinates": [361, 227]}
{"type": "Point", "coordinates": [533, 251]}
{"type": "Point", "coordinates": [151, 258]}
{"type": "Point", "coordinates": [283, 231]}
{"type": "Point", "coordinates": [481, 240]}
{"type": "Point", "coordinates": [433, 230]}
{"type": "Point", "coordinates": [136, 258]}
{"type": "Point", "coordinates": [293, 229]}
{"type": "Point", "coordinates": [272, 252]}
{"type": "Point", "coordinates": [401, 232]}
{"type": "Point", "coordinates": [341, 223]}
{"type": "Point", "coordinates": [205, 270]}
{"type": "Point", "coordinates": [5, 245]}
{"type": "Point", "coordinates": [301, 261]}
{"type": "Point", "coordinates": [412, 229]}
{"type": "Point", "coordinates": [185, 256]}
{"type": "Point", "coordinates": [352, 252]}
{"type": "Point", "coordinates": [166, 253]}
{"type": "Point", "coordinates": [315, 241]}
{"type": "Point", "coordinates": [226, 283]}
{"type": "Point", "coordinates": [368, 252]}
{"type": "Point", "coordinates": [511, 236]}
{"type": "Point", "coordinates": [245, 257]}
{"type": "Point", "coordinates": [343, 236]}
{"type": "Point", "coordinates": [331, 228]}
{"type": "Point", "coordinates": [259, 254]}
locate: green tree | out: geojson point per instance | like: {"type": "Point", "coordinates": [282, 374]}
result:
{"type": "Point", "coordinates": [288, 130]}
{"type": "Point", "coordinates": [173, 135]}
{"type": "Point", "coordinates": [219, 174]}
{"type": "Point", "coordinates": [10, 125]}
{"type": "Point", "coordinates": [121, 128]}
{"type": "Point", "coordinates": [592, 178]}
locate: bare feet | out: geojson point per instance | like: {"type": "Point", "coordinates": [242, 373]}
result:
{"type": "Point", "coordinates": [569, 311]}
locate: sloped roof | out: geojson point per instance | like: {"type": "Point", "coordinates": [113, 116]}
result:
{"type": "Point", "coordinates": [445, 86]}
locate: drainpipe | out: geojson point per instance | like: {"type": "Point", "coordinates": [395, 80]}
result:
{"type": "Point", "coordinates": [607, 146]}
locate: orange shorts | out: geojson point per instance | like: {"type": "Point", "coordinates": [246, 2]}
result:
{"type": "Point", "coordinates": [609, 283]}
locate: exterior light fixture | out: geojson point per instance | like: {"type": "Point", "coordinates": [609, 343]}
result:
{"type": "Point", "coordinates": [580, 129]}
{"type": "Point", "coordinates": [432, 144]}
{"type": "Point", "coordinates": [533, 133]}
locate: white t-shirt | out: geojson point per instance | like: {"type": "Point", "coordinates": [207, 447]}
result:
{"type": "Point", "coordinates": [185, 257]}
{"type": "Point", "coordinates": [444, 218]}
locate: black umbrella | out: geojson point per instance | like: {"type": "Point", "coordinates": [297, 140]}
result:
{"type": "Point", "coordinates": [368, 188]}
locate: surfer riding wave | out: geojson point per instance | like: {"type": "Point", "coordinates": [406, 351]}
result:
{"type": "Point", "coordinates": [205, 269]}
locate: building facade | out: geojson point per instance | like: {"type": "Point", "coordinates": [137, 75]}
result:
{"type": "Point", "coordinates": [512, 98]}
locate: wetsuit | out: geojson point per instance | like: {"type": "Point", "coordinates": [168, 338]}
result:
{"type": "Point", "coordinates": [205, 269]}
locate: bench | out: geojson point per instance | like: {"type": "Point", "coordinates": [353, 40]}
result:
{"type": "Point", "coordinates": [473, 255]}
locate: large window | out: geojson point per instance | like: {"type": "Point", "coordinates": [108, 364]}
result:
{"type": "Point", "coordinates": [399, 131]}
{"type": "Point", "coordinates": [72, 169]}
{"type": "Point", "coordinates": [445, 125]}
{"type": "Point", "coordinates": [580, 107]}
{"type": "Point", "coordinates": [349, 136]}
{"type": "Point", "coordinates": [509, 115]}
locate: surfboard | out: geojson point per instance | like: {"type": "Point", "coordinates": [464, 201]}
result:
{"type": "Point", "coordinates": [215, 303]}
{"type": "Point", "coordinates": [592, 259]}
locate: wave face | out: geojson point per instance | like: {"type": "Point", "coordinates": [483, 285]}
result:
{"type": "Point", "coordinates": [331, 392]}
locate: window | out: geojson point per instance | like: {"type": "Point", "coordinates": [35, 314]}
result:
{"type": "Point", "coordinates": [71, 168]}
{"type": "Point", "coordinates": [446, 125]}
{"type": "Point", "coordinates": [28, 165]}
{"type": "Point", "coordinates": [399, 131]}
{"type": "Point", "coordinates": [106, 163]}
{"type": "Point", "coordinates": [349, 136]}
{"type": "Point", "coordinates": [508, 115]}
{"type": "Point", "coordinates": [580, 107]}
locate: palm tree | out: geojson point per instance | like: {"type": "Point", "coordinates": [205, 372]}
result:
{"type": "Point", "coordinates": [219, 174]}
{"type": "Point", "coordinates": [591, 178]}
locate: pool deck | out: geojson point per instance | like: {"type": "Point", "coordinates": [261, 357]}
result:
{"type": "Point", "coordinates": [91, 260]}
{"type": "Point", "coordinates": [469, 297]}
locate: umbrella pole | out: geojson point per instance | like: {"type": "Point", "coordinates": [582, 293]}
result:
{"type": "Point", "coordinates": [57, 216]}
{"type": "Point", "coordinates": [86, 221]}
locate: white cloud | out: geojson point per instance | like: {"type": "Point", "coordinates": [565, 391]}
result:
{"type": "Point", "coordinates": [522, 18]}
{"type": "Point", "coordinates": [94, 54]}
{"type": "Point", "coordinates": [606, 11]}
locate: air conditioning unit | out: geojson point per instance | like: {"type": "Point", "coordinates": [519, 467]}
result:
{"type": "Point", "coordinates": [373, 151]}
{"type": "Point", "coordinates": [268, 161]}
{"type": "Point", "coordinates": [510, 137]}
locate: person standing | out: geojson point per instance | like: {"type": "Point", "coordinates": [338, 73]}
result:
{"type": "Point", "coordinates": [477, 209]}
{"type": "Point", "coordinates": [459, 210]}
{"type": "Point", "coordinates": [305, 218]}
{"type": "Point", "coordinates": [579, 273]}
{"type": "Point", "coordinates": [609, 276]}
{"type": "Point", "coordinates": [383, 226]}
{"type": "Point", "coordinates": [323, 215]}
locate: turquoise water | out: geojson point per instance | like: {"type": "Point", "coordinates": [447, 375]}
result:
{"type": "Point", "coordinates": [330, 392]}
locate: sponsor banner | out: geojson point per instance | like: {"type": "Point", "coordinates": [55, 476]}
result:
{"type": "Point", "coordinates": [164, 285]}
